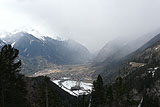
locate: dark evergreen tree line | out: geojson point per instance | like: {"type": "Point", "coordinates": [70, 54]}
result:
{"type": "Point", "coordinates": [12, 85]}
{"type": "Point", "coordinates": [17, 90]}
{"type": "Point", "coordinates": [120, 93]}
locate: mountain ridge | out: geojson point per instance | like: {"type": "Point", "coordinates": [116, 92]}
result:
{"type": "Point", "coordinates": [47, 51]}
{"type": "Point", "coordinates": [111, 69]}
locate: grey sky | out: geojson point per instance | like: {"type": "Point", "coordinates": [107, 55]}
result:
{"type": "Point", "coordinates": [90, 22]}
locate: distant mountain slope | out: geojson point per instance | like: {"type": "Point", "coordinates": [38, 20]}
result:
{"type": "Point", "coordinates": [109, 49]}
{"type": "Point", "coordinates": [40, 52]}
{"type": "Point", "coordinates": [119, 48]}
{"type": "Point", "coordinates": [111, 69]}
{"type": "Point", "coordinates": [150, 43]}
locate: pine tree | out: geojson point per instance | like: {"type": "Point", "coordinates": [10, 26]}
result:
{"type": "Point", "coordinates": [93, 95]}
{"type": "Point", "coordinates": [120, 86]}
{"type": "Point", "coordinates": [109, 95]}
{"type": "Point", "coordinates": [12, 86]}
{"type": "Point", "coordinates": [97, 93]}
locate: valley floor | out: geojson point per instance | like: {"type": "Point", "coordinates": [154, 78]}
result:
{"type": "Point", "coordinates": [70, 76]}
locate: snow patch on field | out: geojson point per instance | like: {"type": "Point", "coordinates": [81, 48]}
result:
{"type": "Point", "coordinates": [66, 84]}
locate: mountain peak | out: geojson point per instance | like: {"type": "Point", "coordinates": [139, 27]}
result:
{"type": "Point", "coordinates": [31, 31]}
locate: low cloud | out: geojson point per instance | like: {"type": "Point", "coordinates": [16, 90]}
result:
{"type": "Point", "coordinates": [90, 22]}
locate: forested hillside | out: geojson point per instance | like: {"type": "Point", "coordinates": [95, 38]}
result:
{"type": "Point", "coordinates": [20, 91]}
{"type": "Point", "coordinates": [137, 83]}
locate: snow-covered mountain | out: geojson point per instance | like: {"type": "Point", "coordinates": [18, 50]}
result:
{"type": "Point", "coordinates": [2, 43]}
{"type": "Point", "coordinates": [31, 31]}
{"type": "Point", "coordinates": [38, 51]}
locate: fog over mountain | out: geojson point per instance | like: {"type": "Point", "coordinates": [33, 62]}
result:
{"type": "Point", "coordinates": [90, 22]}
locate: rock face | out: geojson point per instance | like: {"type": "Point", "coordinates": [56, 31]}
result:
{"type": "Point", "coordinates": [40, 52]}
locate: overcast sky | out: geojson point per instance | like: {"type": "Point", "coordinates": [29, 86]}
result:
{"type": "Point", "coordinates": [90, 22]}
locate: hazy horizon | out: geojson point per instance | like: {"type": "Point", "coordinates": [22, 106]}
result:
{"type": "Point", "coordinates": [90, 22]}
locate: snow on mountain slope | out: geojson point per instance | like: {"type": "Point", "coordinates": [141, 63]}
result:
{"type": "Point", "coordinates": [28, 30]}
{"type": "Point", "coordinates": [2, 43]}
{"type": "Point", "coordinates": [31, 31]}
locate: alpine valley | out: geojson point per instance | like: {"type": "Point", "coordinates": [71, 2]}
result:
{"type": "Point", "coordinates": [53, 72]}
